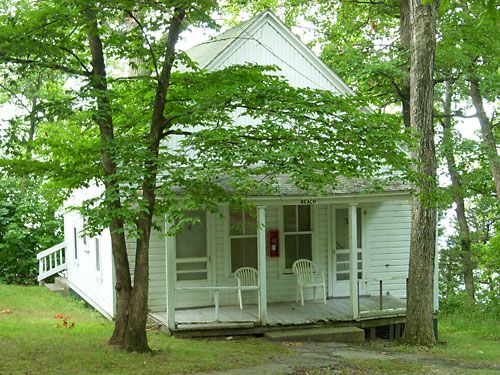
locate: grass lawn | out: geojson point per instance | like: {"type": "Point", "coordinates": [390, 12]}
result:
{"type": "Point", "coordinates": [31, 342]}
{"type": "Point", "coordinates": [469, 344]}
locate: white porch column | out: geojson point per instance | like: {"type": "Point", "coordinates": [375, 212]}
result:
{"type": "Point", "coordinates": [353, 259]}
{"type": "Point", "coordinates": [261, 253]}
{"type": "Point", "coordinates": [170, 277]}
{"type": "Point", "coordinates": [436, 273]}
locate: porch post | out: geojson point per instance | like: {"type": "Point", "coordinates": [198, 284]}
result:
{"type": "Point", "coordinates": [170, 277]}
{"type": "Point", "coordinates": [261, 253]}
{"type": "Point", "coordinates": [353, 257]}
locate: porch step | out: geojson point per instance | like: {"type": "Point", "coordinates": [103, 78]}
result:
{"type": "Point", "coordinates": [321, 334]}
{"type": "Point", "coordinates": [55, 288]}
{"type": "Point", "coordinates": [61, 282]}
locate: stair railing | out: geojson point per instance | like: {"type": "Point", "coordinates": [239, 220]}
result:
{"type": "Point", "coordinates": [51, 261]}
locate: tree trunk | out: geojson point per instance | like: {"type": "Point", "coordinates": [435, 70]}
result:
{"type": "Point", "coordinates": [486, 132]}
{"type": "Point", "coordinates": [105, 122]}
{"type": "Point", "coordinates": [458, 197]}
{"type": "Point", "coordinates": [419, 328]}
{"type": "Point", "coordinates": [135, 337]}
{"type": "Point", "coordinates": [405, 38]}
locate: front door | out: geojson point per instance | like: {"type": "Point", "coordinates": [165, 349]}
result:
{"type": "Point", "coordinates": [340, 252]}
{"type": "Point", "coordinates": [193, 262]}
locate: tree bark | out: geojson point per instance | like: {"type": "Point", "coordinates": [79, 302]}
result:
{"type": "Point", "coordinates": [405, 38]}
{"type": "Point", "coordinates": [486, 133]}
{"type": "Point", "coordinates": [419, 320]}
{"type": "Point", "coordinates": [104, 120]}
{"type": "Point", "coordinates": [458, 197]}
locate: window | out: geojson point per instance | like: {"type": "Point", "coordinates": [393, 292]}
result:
{"type": "Point", "coordinates": [75, 237]}
{"type": "Point", "coordinates": [298, 233]}
{"type": "Point", "coordinates": [191, 249]}
{"type": "Point", "coordinates": [97, 256]}
{"type": "Point", "coordinates": [243, 238]}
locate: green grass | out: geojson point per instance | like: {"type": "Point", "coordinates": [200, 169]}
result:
{"type": "Point", "coordinates": [30, 342]}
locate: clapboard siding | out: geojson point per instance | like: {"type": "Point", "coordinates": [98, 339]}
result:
{"type": "Point", "coordinates": [388, 245]}
{"type": "Point", "coordinates": [96, 287]}
{"type": "Point", "coordinates": [157, 300]}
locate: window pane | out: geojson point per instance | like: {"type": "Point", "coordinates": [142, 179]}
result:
{"type": "Point", "coordinates": [343, 257]}
{"type": "Point", "coordinates": [97, 255]}
{"type": "Point", "coordinates": [289, 218]}
{"type": "Point", "coordinates": [251, 222]}
{"type": "Point", "coordinates": [192, 276]}
{"type": "Point", "coordinates": [341, 228]}
{"type": "Point", "coordinates": [235, 222]}
{"type": "Point", "coordinates": [191, 266]}
{"type": "Point", "coordinates": [342, 276]}
{"type": "Point", "coordinates": [191, 242]}
{"type": "Point", "coordinates": [290, 250]}
{"type": "Point", "coordinates": [342, 267]}
{"type": "Point", "coordinates": [304, 213]}
{"type": "Point", "coordinates": [243, 252]}
{"type": "Point", "coordinates": [304, 246]}
{"type": "Point", "coordinates": [360, 275]}
{"type": "Point", "coordinates": [359, 230]}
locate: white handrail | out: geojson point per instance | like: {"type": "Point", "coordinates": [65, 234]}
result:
{"type": "Point", "coordinates": [50, 250]}
{"type": "Point", "coordinates": [51, 261]}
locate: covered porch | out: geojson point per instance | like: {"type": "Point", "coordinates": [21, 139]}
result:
{"type": "Point", "coordinates": [336, 310]}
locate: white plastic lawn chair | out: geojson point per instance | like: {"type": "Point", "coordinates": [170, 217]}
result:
{"type": "Point", "coordinates": [246, 276]}
{"type": "Point", "coordinates": [307, 277]}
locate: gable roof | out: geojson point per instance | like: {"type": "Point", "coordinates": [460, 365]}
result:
{"type": "Point", "coordinates": [210, 54]}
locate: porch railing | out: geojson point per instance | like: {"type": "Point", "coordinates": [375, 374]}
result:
{"type": "Point", "coordinates": [51, 261]}
{"type": "Point", "coordinates": [380, 282]}
{"type": "Point", "coordinates": [216, 290]}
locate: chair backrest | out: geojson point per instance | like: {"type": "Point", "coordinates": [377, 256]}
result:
{"type": "Point", "coordinates": [248, 276]}
{"type": "Point", "coordinates": [304, 270]}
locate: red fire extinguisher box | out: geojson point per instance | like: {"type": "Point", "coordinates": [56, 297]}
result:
{"type": "Point", "coordinates": [273, 243]}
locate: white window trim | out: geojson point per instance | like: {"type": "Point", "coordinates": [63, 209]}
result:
{"type": "Point", "coordinates": [227, 242]}
{"type": "Point", "coordinates": [76, 246]}
{"type": "Point", "coordinates": [98, 272]}
{"type": "Point", "coordinates": [287, 273]}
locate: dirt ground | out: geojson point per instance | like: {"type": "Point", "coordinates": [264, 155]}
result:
{"type": "Point", "coordinates": [314, 358]}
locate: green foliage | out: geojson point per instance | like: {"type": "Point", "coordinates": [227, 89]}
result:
{"type": "Point", "coordinates": [31, 342]}
{"type": "Point", "coordinates": [28, 225]}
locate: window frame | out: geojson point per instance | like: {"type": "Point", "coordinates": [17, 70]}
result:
{"type": "Point", "coordinates": [230, 237]}
{"type": "Point", "coordinates": [312, 232]}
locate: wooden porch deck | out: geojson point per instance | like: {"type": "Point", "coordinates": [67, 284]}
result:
{"type": "Point", "coordinates": [285, 313]}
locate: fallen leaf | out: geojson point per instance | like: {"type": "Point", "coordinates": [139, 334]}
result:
{"type": "Point", "coordinates": [6, 311]}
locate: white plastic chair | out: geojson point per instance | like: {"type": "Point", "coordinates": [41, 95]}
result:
{"type": "Point", "coordinates": [246, 276]}
{"type": "Point", "coordinates": [307, 277]}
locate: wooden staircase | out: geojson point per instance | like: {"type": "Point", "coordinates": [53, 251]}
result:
{"type": "Point", "coordinates": [51, 262]}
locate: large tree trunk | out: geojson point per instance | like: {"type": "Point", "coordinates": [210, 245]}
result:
{"type": "Point", "coordinates": [419, 320]}
{"type": "Point", "coordinates": [105, 122]}
{"type": "Point", "coordinates": [135, 337]}
{"type": "Point", "coordinates": [486, 132]}
{"type": "Point", "coordinates": [458, 197]}
{"type": "Point", "coordinates": [405, 39]}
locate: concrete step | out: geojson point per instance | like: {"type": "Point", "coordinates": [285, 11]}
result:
{"type": "Point", "coordinates": [61, 282]}
{"type": "Point", "coordinates": [54, 288]}
{"type": "Point", "coordinates": [320, 334]}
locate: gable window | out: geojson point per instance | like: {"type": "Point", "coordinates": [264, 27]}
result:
{"type": "Point", "coordinates": [243, 239]}
{"type": "Point", "coordinates": [298, 233]}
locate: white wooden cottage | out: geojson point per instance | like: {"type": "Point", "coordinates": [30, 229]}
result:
{"type": "Point", "coordinates": [192, 281]}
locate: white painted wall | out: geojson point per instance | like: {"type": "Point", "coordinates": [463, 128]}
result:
{"type": "Point", "coordinates": [157, 300]}
{"type": "Point", "coordinates": [388, 245]}
{"type": "Point", "coordinates": [95, 287]}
